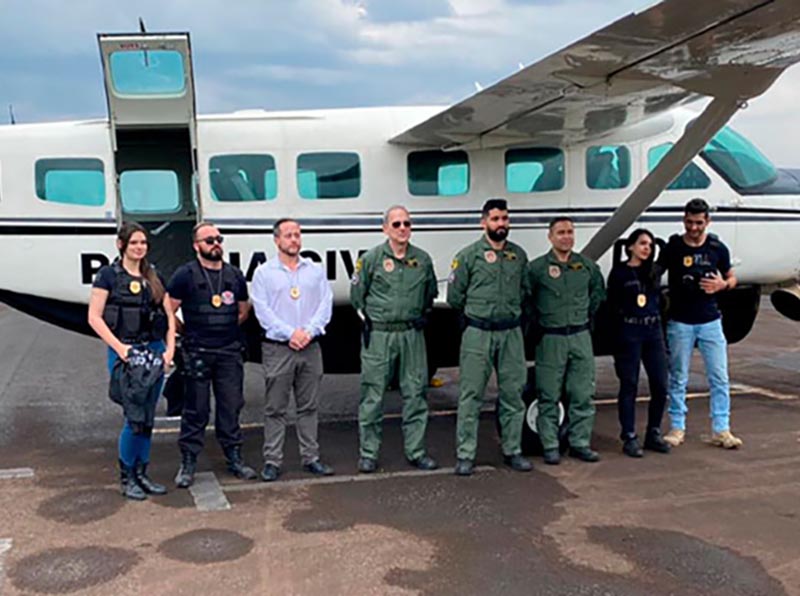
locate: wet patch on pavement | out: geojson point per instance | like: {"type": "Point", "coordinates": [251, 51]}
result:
{"type": "Point", "coordinates": [64, 570]}
{"type": "Point", "coordinates": [82, 506]}
{"type": "Point", "coordinates": [698, 567]}
{"type": "Point", "coordinates": [206, 546]}
{"type": "Point", "coordinates": [494, 518]}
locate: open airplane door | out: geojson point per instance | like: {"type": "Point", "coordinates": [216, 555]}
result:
{"type": "Point", "coordinates": [149, 87]}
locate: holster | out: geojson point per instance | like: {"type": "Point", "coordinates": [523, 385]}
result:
{"type": "Point", "coordinates": [366, 331]}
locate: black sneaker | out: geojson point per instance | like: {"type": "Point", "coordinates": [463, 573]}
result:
{"type": "Point", "coordinates": [631, 448]}
{"type": "Point", "coordinates": [653, 441]}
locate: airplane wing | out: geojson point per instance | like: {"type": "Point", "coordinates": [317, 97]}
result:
{"type": "Point", "coordinates": [637, 67]}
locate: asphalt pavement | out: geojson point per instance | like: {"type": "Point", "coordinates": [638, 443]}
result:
{"type": "Point", "coordinates": [698, 521]}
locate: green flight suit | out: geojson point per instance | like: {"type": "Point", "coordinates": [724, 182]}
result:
{"type": "Point", "coordinates": [564, 298]}
{"type": "Point", "coordinates": [394, 294]}
{"type": "Point", "coordinates": [489, 287]}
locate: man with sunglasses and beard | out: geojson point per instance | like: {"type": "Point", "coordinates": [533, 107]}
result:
{"type": "Point", "coordinates": [393, 289]}
{"type": "Point", "coordinates": [212, 296]}
{"type": "Point", "coordinates": [487, 286]}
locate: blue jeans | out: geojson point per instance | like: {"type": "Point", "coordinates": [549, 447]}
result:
{"type": "Point", "coordinates": [134, 447]}
{"type": "Point", "coordinates": [681, 338]}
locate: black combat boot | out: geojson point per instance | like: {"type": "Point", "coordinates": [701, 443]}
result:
{"type": "Point", "coordinates": [236, 465]}
{"type": "Point", "coordinates": [128, 486]}
{"type": "Point", "coordinates": [185, 476]}
{"type": "Point", "coordinates": [143, 480]}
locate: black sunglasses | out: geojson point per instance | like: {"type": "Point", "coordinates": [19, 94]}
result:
{"type": "Point", "coordinates": [405, 224]}
{"type": "Point", "coordinates": [212, 240]}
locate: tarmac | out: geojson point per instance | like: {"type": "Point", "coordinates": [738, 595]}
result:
{"type": "Point", "coordinates": [696, 522]}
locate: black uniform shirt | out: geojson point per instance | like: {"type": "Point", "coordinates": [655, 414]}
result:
{"type": "Point", "coordinates": [687, 265]}
{"type": "Point", "coordinates": [630, 294]}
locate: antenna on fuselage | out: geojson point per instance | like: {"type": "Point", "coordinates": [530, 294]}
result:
{"type": "Point", "coordinates": [143, 29]}
{"type": "Point", "coordinates": [11, 117]}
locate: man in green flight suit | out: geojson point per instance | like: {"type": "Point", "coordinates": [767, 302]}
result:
{"type": "Point", "coordinates": [487, 284]}
{"type": "Point", "coordinates": [393, 289]}
{"type": "Point", "coordinates": [566, 291]}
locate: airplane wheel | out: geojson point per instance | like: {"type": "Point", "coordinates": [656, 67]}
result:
{"type": "Point", "coordinates": [531, 443]}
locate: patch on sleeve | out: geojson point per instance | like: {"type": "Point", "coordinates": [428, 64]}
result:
{"type": "Point", "coordinates": [454, 265]}
{"type": "Point", "coordinates": [359, 265]}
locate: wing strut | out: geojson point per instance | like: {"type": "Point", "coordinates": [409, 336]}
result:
{"type": "Point", "coordinates": [696, 136]}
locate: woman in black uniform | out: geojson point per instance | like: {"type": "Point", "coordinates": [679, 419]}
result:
{"type": "Point", "coordinates": [126, 309]}
{"type": "Point", "coordinates": [634, 301]}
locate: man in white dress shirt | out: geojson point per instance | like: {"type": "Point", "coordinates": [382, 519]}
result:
{"type": "Point", "coordinates": [293, 301]}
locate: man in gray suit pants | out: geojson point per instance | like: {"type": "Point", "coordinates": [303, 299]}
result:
{"type": "Point", "coordinates": [293, 301]}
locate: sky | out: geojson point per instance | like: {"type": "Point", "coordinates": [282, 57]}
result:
{"type": "Point", "coordinates": [296, 54]}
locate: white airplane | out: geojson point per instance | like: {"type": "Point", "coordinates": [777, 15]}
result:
{"type": "Point", "coordinates": [596, 131]}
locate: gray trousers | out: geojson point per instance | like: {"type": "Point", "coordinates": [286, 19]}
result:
{"type": "Point", "coordinates": [287, 371]}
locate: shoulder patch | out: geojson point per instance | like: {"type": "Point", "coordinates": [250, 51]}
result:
{"type": "Point", "coordinates": [454, 264]}
{"type": "Point", "coordinates": [359, 264]}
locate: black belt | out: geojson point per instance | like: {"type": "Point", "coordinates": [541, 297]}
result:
{"type": "Point", "coordinates": [393, 326]}
{"type": "Point", "coordinates": [398, 325]}
{"type": "Point", "coordinates": [649, 320]}
{"type": "Point", "coordinates": [501, 325]}
{"type": "Point", "coordinates": [566, 330]}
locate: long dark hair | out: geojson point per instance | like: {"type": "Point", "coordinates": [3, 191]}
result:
{"type": "Point", "coordinates": [648, 268]}
{"type": "Point", "coordinates": [126, 230]}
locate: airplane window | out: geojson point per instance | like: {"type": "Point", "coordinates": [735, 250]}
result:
{"type": "Point", "coordinates": [71, 181]}
{"type": "Point", "coordinates": [243, 177]}
{"type": "Point", "coordinates": [438, 173]}
{"type": "Point", "coordinates": [151, 72]}
{"type": "Point", "coordinates": [539, 169]}
{"type": "Point", "coordinates": [149, 191]}
{"type": "Point", "coordinates": [691, 178]}
{"type": "Point", "coordinates": [328, 175]}
{"type": "Point", "coordinates": [738, 160]}
{"type": "Point", "coordinates": [608, 167]}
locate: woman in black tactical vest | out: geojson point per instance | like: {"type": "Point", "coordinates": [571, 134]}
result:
{"type": "Point", "coordinates": [126, 309]}
{"type": "Point", "coordinates": [634, 300]}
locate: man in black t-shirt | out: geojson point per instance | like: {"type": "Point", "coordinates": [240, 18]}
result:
{"type": "Point", "coordinates": [699, 267]}
{"type": "Point", "coordinates": [212, 296]}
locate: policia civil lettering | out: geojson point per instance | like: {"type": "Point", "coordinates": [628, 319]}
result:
{"type": "Point", "coordinates": [488, 287]}
{"type": "Point", "coordinates": [393, 287]}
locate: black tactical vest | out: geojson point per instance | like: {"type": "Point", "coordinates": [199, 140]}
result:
{"type": "Point", "coordinates": [130, 312]}
{"type": "Point", "coordinates": [200, 316]}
